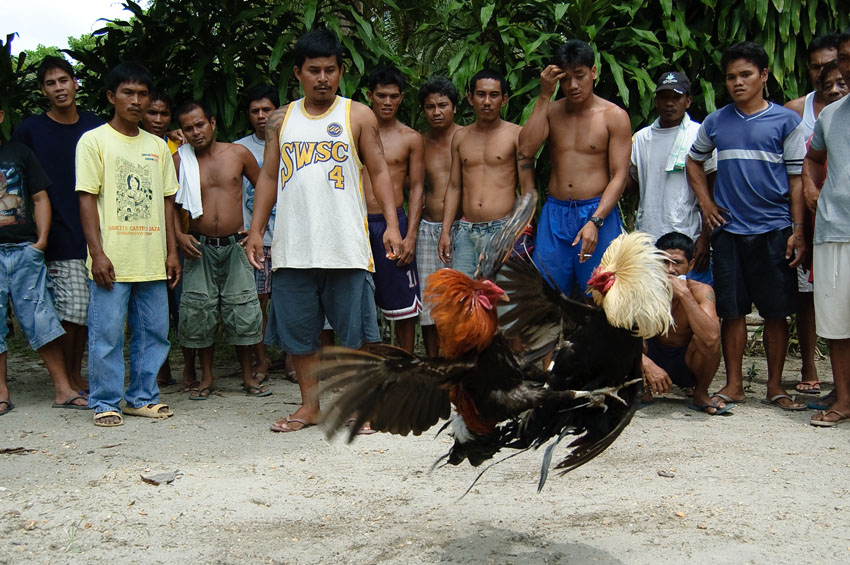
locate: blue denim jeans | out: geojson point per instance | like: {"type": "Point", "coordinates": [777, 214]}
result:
{"type": "Point", "coordinates": [145, 307]}
{"type": "Point", "coordinates": [23, 278]}
{"type": "Point", "coordinates": [469, 241]}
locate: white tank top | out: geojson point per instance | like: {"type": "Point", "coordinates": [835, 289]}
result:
{"type": "Point", "coordinates": [321, 209]}
{"type": "Point", "coordinates": [809, 117]}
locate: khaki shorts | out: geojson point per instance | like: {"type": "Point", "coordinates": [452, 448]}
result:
{"type": "Point", "coordinates": [219, 284]}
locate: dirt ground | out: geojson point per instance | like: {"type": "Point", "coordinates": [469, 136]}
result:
{"type": "Point", "coordinates": [759, 486]}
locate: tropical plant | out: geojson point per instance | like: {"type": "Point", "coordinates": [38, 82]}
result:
{"type": "Point", "coordinates": [11, 95]}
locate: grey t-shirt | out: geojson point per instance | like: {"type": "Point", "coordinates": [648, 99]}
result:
{"type": "Point", "coordinates": [256, 147]}
{"type": "Point", "coordinates": [832, 224]}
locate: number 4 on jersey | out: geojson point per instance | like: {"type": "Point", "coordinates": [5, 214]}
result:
{"type": "Point", "coordinates": [335, 176]}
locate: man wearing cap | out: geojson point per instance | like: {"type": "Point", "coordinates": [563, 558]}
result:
{"type": "Point", "coordinates": [657, 170]}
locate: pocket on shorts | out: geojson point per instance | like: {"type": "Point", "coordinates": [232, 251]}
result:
{"type": "Point", "coordinates": [242, 318]}
{"type": "Point", "coordinates": [197, 318]}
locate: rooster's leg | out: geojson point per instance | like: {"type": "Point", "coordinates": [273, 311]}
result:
{"type": "Point", "coordinates": [596, 398]}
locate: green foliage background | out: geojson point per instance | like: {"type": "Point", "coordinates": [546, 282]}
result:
{"type": "Point", "coordinates": [214, 49]}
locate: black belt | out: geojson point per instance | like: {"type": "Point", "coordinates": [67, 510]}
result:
{"type": "Point", "coordinates": [222, 241]}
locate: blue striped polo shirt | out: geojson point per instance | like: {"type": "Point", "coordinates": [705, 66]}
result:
{"type": "Point", "coordinates": [755, 155]}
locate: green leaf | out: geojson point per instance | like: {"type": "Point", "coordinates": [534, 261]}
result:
{"type": "Point", "coordinates": [708, 95]}
{"type": "Point", "coordinates": [761, 12]}
{"type": "Point", "coordinates": [617, 72]}
{"type": "Point", "coordinates": [560, 10]}
{"type": "Point", "coordinates": [455, 61]}
{"type": "Point", "coordinates": [645, 34]}
{"type": "Point", "coordinates": [309, 13]}
{"type": "Point", "coordinates": [277, 51]}
{"type": "Point", "coordinates": [486, 14]}
{"type": "Point", "coordinates": [363, 24]}
{"type": "Point", "coordinates": [355, 56]}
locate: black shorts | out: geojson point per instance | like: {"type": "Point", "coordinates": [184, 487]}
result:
{"type": "Point", "coordinates": [752, 269]}
{"type": "Point", "coordinates": [672, 360]}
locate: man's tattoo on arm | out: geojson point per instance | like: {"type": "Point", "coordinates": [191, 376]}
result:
{"type": "Point", "coordinates": [710, 296]}
{"type": "Point", "coordinates": [273, 125]}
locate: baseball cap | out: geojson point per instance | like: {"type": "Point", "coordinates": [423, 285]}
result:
{"type": "Point", "coordinates": [675, 81]}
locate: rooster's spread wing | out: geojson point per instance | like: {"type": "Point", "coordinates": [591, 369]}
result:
{"type": "Point", "coordinates": [541, 313]}
{"type": "Point", "coordinates": [389, 388]}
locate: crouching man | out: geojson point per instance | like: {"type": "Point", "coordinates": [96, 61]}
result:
{"type": "Point", "coordinates": [688, 356]}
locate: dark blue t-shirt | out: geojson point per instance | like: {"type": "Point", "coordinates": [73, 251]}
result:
{"type": "Point", "coordinates": [55, 146]}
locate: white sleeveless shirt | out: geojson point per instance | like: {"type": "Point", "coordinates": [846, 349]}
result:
{"type": "Point", "coordinates": [809, 117]}
{"type": "Point", "coordinates": [321, 210]}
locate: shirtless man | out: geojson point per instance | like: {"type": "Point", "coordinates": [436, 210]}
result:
{"type": "Point", "coordinates": [689, 354]}
{"type": "Point", "coordinates": [487, 165]}
{"type": "Point", "coordinates": [217, 276]}
{"type": "Point", "coordinates": [438, 98]}
{"type": "Point", "coordinates": [396, 281]}
{"type": "Point", "coordinates": [590, 146]}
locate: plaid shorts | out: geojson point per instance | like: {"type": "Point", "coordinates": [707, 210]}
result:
{"type": "Point", "coordinates": [264, 277]}
{"type": "Point", "coordinates": [69, 281]}
{"type": "Point", "coordinates": [428, 261]}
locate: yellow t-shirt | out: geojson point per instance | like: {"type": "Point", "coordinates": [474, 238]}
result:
{"type": "Point", "coordinates": [131, 176]}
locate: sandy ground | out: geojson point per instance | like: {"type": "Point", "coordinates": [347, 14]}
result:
{"type": "Point", "coordinates": [760, 486]}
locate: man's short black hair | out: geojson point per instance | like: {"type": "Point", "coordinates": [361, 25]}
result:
{"type": "Point", "coordinates": [747, 50]}
{"type": "Point", "coordinates": [262, 92]}
{"type": "Point", "coordinates": [386, 74]}
{"type": "Point", "coordinates": [574, 52]}
{"type": "Point", "coordinates": [828, 41]}
{"type": "Point", "coordinates": [676, 240]}
{"type": "Point", "coordinates": [317, 43]}
{"type": "Point", "coordinates": [491, 74]}
{"type": "Point", "coordinates": [160, 95]}
{"type": "Point", "coordinates": [187, 107]}
{"type": "Point", "coordinates": [844, 37]}
{"type": "Point", "coordinates": [53, 62]}
{"type": "Point", "coordinates": [128, 71]}
{"type": "Point", "coordinates": [438, 85]}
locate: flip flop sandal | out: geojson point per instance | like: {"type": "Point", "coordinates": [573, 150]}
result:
{"type": "Point", "coordinates": [256, 392]}
{"type": "Point", "coordinates": [830, 424]}
{"type": "Point", "coordinates": [202, 394]}
{"type": "Point", "coordinates": [808, 387]}
{"type": "Point", "coordinates": [9, 407]}
{"type": "Point", "coordinates": [774, 401]}
{"type": "Point", "coordinates": [69, 404]}
{"type": "Point", "coordinates": [284, 428]}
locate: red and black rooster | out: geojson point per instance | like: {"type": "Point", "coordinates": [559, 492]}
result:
{"type": "Point", "coordinates": [502, 397]}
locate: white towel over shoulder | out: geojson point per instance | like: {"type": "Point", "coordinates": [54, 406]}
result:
{"type": "Point", "coordinates": [189, 193]}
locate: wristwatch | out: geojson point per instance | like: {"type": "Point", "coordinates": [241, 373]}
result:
{"type": "Point", "coordinates": [597, 221]}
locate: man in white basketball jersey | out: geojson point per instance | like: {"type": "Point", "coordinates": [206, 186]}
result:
{"type": "Point", "coordinates": [316, 148]}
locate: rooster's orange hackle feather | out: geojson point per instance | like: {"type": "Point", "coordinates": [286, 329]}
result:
{"type": "Point", "coordinates": [463, 311]}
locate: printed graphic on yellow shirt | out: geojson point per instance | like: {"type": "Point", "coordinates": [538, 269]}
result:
{"type": "Point", "coordinates": [134, 195]}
